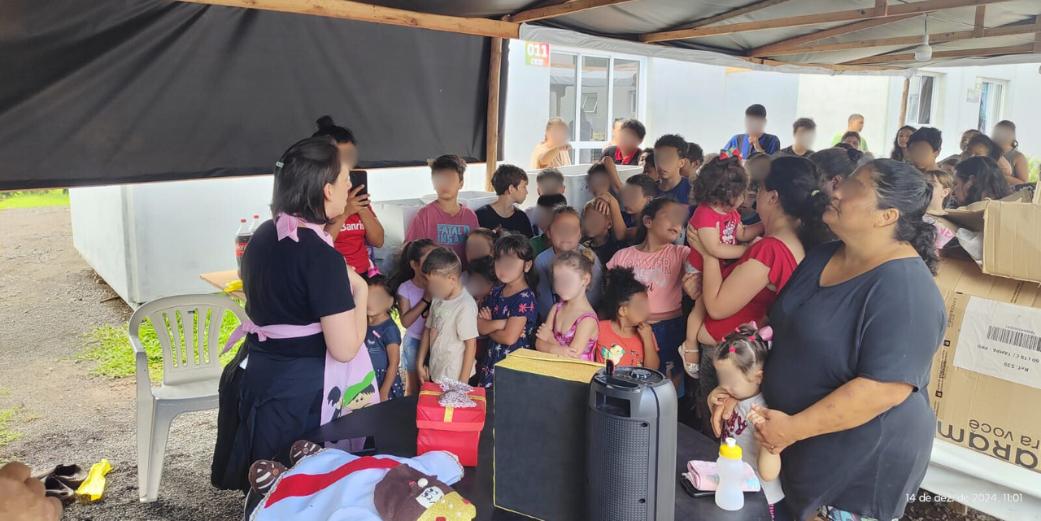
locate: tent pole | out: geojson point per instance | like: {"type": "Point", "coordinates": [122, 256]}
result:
{"type": "Point", "coordinates": [903, 101]}
{"type": "Point", "coordinates": [492, 128]}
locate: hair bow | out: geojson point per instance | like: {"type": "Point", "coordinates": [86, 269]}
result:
{"type": "Point", "coordinates": [765, 333]}
{"type": "Point", "coordinates": [728, 154]}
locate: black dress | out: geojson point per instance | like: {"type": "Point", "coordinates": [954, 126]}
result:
{"type": "Point", "coordinates": [883, 325]}
{"type": "Point", "coordinates": [280, 391]}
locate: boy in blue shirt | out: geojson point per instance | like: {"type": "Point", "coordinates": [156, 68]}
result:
{"type": "Point", "coordinates": [755, 138]}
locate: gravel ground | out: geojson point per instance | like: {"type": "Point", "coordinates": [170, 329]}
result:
{"type": "Point", "coordinates": [64, 415]}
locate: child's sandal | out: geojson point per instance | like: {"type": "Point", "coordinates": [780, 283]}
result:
{"type": "Point", "coordinates": [302, 449]}
{"type": "Point", "coordinates": [263, 474]}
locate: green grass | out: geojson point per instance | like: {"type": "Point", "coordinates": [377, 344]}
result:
{"type": "Point", "coordinates": [6, 434]}
{"type": "Point", "coordinates": [33, 198]}
{"type": "Point", "coordinates": [109, 346]}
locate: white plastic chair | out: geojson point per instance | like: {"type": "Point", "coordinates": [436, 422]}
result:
{"type": "Point", "coordinates": [188, 328]}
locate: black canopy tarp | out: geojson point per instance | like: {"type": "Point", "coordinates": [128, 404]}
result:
{"type": "Point", "coordinates": [113, 91]}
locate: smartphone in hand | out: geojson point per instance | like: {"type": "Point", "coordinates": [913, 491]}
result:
{"type": "Point", "coordinates": [358, 178]}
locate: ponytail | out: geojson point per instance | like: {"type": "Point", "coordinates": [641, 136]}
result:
{"type": "Point", "coordinates": [410, 252]}
{"type": "Point", "coordinates": [812, 230]}
{"type": "Point", "coordinates": [902, 187]}
{"type": "Point", "coordinates": [650, 212]}
{"type": "Point", "coordinates": [922, 236]}
{"type": "Point", "coordinates": [795, 180]}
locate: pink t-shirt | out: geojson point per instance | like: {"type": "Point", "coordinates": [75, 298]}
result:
{"type": "Point", "coordinates": [725, 223]}
{"type": "Point", "coordinates": [450, 231]}
{"type": "Point", "coordinates": [661, 272]}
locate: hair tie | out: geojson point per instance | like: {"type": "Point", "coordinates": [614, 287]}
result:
{"type": "Point", "coordinates": [814, 193]}
{"type": "Point", "coordinates": [733, 349]}
{"type": "Point", "coordinates": [279, 164]}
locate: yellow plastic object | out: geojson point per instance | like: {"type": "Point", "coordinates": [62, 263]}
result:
{"type": "Point", "coordinates": [233, 286]}
{"type": "Point", "coordinates": [93, 488]}
{"type": "Point", "coordinates": [730, 449]}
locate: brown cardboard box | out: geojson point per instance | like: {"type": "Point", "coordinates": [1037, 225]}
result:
{"type": "Point", "coordinates": [994, 327]}
{"type": "Point", "coordinates": [1011, 234]}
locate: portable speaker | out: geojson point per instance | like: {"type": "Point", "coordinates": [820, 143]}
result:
{"type": "Point", "coordinates": [631, 457]}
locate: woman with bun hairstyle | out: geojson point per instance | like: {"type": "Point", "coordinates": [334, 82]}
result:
{"type": "Point", "coordinates": [855, 330]}
{"type": "Point", "coordinates": [790, 204]}
{"type": "Point", "coordinates": [357, 229]}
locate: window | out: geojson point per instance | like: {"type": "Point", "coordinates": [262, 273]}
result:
{"type": "Point", "coordinates": [991, 104]}
{"type": "Point", "coordinates": [562, 83]}
{"type": "Point", "coordinates": [589, 92]}
{"type": "Point", "coordinates": [921, 100]}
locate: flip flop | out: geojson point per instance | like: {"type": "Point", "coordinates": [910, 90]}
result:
{"type": "Point", "coordinates": [57, 488]}
{"type": "Point", "coordinates": [72, 475]}
{"type": "Point", "coordinates": [263, 474]}
{"type": "Point", "coordinates": [302, 449]}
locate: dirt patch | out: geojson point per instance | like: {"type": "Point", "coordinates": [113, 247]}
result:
{"type": "Point", "coordinates": [52, 299]}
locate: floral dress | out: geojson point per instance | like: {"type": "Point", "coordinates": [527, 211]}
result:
{"type": "Point", "coordinates": [521, 304]}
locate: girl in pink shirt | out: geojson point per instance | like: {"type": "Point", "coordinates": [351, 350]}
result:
{"type": "Point", "coordinates": [658, 263]}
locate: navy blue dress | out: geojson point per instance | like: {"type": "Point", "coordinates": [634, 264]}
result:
{"type": "Point", "coordinates": [280, 395]}
{"type": "Point", "coordinates": [883, 325]}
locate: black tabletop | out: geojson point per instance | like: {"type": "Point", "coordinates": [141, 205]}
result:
{"type": "Point", "coordinates": [392, 425]}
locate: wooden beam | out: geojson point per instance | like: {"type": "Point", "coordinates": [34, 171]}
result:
{"type": "Point", "coordinates": [826, 66]}
{"type": "Point", "coordinates": [981, 13]}
{"type": "Point", "coordinates": [733, 13]}
{"type": "Point", "coordinates": [491, 155]}
{"type": "Point", "coordinates": [903, 101]}
{"type": "Point", "coordinates": [350, 10]}
{"type": "Point", "coordinates": [850, 15]}
{"type": "Point", "coordinates": [561, 9]}
{"type": "Point", "coordinates": [934, 38]}
{"type": "Point", "coordinates": [1037, 38]}
{"type": "Point", "coordinates": [799, 41]}
{"type": "Point", "coordinates": [959, 53]}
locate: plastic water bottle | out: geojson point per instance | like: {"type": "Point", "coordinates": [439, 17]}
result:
{"type": "Point", "coordinates": [730, 494]}
{"type": "Point", "coordinates": [256, 224]}
{"type": "Point", "coordinates": [242, 237]}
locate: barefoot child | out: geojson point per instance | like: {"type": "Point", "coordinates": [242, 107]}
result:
{"type": "Point", "coordinates": [508, 315]}
{"type": "Point", "coordinates": [571, 327]}
{"type": "Point", "coordinates": [450, 337]}
{"type": "Point", "coordinates": [739, 362]}
{"type": "Point", "coordinates": [413, 303]}
{"type": "Point", "coordinates": [383, 339]}
{"type": "Point", "coordinates": [625, 337]}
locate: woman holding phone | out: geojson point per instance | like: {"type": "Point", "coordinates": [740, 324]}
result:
{"type": "Point", "coordinates": [358, 228]}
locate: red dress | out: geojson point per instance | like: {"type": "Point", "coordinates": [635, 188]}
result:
{"type": "Point", "coordinates": [772, 253]}
{"type": "Point", "coordinates": [724, 223]}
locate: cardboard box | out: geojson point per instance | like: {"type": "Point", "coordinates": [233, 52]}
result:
{"type": "Point", "coordinates": [1011, 231]}
{"type": "Point", "coordinates": [985, 385]}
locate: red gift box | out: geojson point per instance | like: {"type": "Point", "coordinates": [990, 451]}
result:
{"type": "Point", "coordinates": [454, 429]}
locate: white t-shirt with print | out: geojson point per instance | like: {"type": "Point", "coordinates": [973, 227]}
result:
{"type": "Point", "coordinates": [742, 430]}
